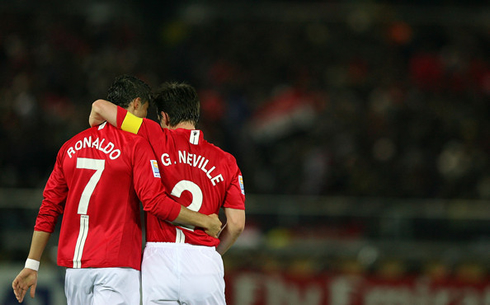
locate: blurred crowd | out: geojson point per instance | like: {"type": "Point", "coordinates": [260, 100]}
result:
{"type": "Point", "coordinates": [369, 106]}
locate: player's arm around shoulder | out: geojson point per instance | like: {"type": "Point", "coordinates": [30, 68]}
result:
{"type": "Point", "coordinates": [103, 110]}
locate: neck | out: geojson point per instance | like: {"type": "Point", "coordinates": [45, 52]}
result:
{"type": "Point", "coordinates": [184, 125]}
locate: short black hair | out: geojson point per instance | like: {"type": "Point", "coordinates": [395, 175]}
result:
{"type": "Point", "coordinates": [126, 88]}
{"type": "Point", "coordinates": [179, 101]}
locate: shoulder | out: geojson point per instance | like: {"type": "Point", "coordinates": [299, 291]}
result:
{"type": "Point", "coordinates": [221, 154]}
{"type": "Point", "coordinates": [151, 124]}
{"type": "Point", "coordinates": [139, 141]}
{"type": "Point", "coordinates": [78, 137]}
{"type": "Point", "coordinates": [75, 141]}
{"type": "Point", "coordinates": [150, 129]}
{"type": "Point", "coordinates": [113, 134]}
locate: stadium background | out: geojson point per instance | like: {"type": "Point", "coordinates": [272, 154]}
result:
{"type": "Point", "coordinates": [361, 127]}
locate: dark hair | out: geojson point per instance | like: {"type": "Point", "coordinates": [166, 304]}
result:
{"type": "Point", "coordinates": [126, 88]}
{"type": "Point", "coordinates": [179, 101]}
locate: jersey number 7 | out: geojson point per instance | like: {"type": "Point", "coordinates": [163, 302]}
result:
{"type": "Point", "coordinates": [98, 166]}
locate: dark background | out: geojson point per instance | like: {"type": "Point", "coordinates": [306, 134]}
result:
{"type": "Point", "coordinates": [317, 98]}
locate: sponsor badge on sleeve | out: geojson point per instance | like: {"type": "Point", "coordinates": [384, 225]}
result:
{"type": "Point", "coordinates": [240, 181]}
{"type": "Point", "coordinates": [154, 167]}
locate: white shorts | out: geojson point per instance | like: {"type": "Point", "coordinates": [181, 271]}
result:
{"type": "Point", "coordinates": [102, 286]}
{"type": "Point", "coordinates": [175, 273]}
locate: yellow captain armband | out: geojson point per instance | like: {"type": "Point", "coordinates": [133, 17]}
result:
{"type": "Point", "coordinates": [131, 123]}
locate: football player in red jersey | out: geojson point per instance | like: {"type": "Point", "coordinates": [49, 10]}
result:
{"type": "Point", "coordinates": [182, 265]}
{"type": "Point", "coordinates": [98, 180]}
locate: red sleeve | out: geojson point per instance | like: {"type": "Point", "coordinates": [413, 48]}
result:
{"type": "Point", "coordinates": [121, 114]}
{"type": "Point", "coordinates": [235, 195]}
{"type": "Point", "coordinates": [148, 185]}
{"type": "Point", "coordinates": [145, 127]}
{"type": "Point", "coordinates": [54, 194]}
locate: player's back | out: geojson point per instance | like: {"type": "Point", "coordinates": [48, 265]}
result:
{"type": "Point", "coordinates": [198, 174]}
{"type": "Point", "coordinates": [101, 221]}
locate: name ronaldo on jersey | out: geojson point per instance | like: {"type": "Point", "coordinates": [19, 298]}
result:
{"type": "Point", "coordinates": [87, 142]}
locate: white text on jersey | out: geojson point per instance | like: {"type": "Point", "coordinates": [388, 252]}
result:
{"type": "Point", "coordinates": [194, 161]}
{"type": "Point", "coordinates": [108, 149]}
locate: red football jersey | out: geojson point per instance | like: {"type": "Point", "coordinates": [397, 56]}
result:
{"type": "Point", "coordinates": [200, 175]}
{"type": "Point", "coordinates": [97, 179]}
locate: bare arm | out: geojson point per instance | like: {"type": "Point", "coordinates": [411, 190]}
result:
{"type": "Point", "coordinates": [27, 278]}
{"type": "Point", "coordinates": [235, 223]}
{"type": "Point", "coordinates": [103, 110]}
{"type": "Point", "coordinates": [211, 223]}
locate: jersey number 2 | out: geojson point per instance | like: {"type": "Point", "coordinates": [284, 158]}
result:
{"type": "Point", "coordinates": [195, 190]}
{"type": "Point", "coordinates": [98, 166]}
